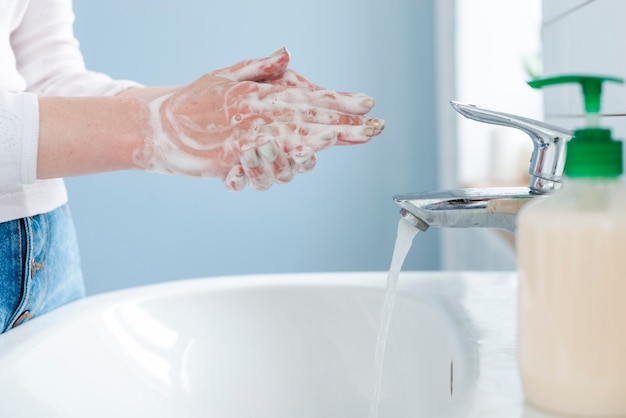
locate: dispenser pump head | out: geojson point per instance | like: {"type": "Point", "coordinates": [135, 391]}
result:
{"type": "Point", "coordinates": [592, 152]}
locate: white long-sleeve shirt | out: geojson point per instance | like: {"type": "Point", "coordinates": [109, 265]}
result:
{"type": "Point", "coordinates": [39, 56]}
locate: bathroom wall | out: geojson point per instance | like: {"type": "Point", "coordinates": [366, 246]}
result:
{"type": "Point", "coordinates": [492, 53]}
{"type": "Point", "coordinates": [585, 37]}
{"type": "Point", "coordinates": [577, 36]}
{"type": "Point", "coordinates": [136, 228]}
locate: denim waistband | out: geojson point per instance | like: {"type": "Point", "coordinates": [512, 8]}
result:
{"type": "Point", "coordinates": [39, 266]}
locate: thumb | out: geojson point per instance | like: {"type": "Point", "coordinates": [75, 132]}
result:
{"type": "Point", "coordinates": [258, 69]}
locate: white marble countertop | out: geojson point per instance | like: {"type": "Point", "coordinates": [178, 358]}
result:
{"type": "Point", "coordinates": [490, 302]}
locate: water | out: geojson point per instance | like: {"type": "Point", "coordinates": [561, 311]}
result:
{"type": "Point", "coordinates": [406, 234]}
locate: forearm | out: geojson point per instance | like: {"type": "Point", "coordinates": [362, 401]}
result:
{"type": "Point", "coordinates": [146, 93]}
{"type": "Point", "coordinates": [87, 135]}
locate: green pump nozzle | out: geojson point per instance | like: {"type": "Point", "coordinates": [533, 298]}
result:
{"type": "Point", "coordinates": [591, 88]}
{"type": "Point", "coordinates": [592, 152]}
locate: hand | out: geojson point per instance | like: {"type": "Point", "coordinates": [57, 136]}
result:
{"type": "Point", "coordinates": [253, 123]}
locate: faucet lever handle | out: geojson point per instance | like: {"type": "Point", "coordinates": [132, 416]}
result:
{"type": "Point", "coordinates": [548, 158]}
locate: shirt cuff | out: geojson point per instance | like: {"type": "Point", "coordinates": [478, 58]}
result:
{"type": "Point", "coordinates": [30, 108]}
{"type": "Point", "coordinates": [19, 137]}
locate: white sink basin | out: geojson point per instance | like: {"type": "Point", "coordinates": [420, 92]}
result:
{"type": "Point", "coordinates": [268, 346]}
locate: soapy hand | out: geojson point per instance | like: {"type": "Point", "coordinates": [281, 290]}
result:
{"type": "Point", "coordinates": [255, 123]}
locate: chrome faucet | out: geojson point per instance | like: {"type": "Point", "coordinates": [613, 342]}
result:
{"type": "Point", "coordinates": [492, 207]}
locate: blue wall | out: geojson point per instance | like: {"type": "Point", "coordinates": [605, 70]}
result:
{"type": "Point", "coordinates": [138, 228]}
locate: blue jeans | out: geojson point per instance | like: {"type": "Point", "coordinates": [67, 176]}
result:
{"type": "Point", "coordinates": [39, 266]}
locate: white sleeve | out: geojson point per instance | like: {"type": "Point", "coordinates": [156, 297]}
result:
{"type": "Point", "coordinates": [49, 58]}
{"type": "Point", "coordinates": [19, 137]}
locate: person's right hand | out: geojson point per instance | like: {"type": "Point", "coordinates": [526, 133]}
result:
{"type": "Point", "coordinates": [255, 123]}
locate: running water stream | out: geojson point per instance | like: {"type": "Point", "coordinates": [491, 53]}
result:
{"type": "Point", "coordinates": [404, 240]}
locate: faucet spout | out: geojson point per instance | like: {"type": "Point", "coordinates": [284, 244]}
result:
{"type": "Point", "coordinates": [465, 208]}
{"type": "Point", "coordinates": [492, 207]}
{"type": "Point", "coordinates": [548, 159]}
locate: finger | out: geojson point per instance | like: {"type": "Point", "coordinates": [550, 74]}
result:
{"type": "Point", "coordinates": [279, 157]}
{"type": "Point", "coordinates": [353, 135]}
{"type": "Point", "coordinates": [292, 79]}
{"type": "Point", "coordinates": [320, 136]}
{"type": "Point", "coordinates": [321, 106]}
{"type": "Point", "coordinates": [258, 69]}
{"type": "Point", "coordinates": [294, 106]}
{"type": "Point", "coordinates": [316, 137]}
{"type": "Point", "coordinates": [276, 161]}
{"type": "Point", "coordinates": [315, 141]}
{"type": "Point", "coordinates": [348, 103]}
{"type": "Point", "coordinates": [258, 178]}
{"type": "Point", "coordinates": [235, 180]}
{"type": "Point", "coordinates": [303, 158]}
{"type": "Point", "coordinates": [357, 103]}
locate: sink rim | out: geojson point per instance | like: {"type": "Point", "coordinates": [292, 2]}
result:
{"type": "Point", "coordinates": [433, 280]}
{"type": "Point", "coordinates": [485, 293]}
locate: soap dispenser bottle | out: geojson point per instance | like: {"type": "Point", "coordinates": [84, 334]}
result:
{"type": "Point", "coordinates": [571, 250]}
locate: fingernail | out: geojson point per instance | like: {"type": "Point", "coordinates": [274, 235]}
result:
{"type": "Point", "coordinates": [368, 103]}
{"type": "Point", "coordinates": [377, 125]}
{"type": "Point", "coordinates": [373, 122]}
